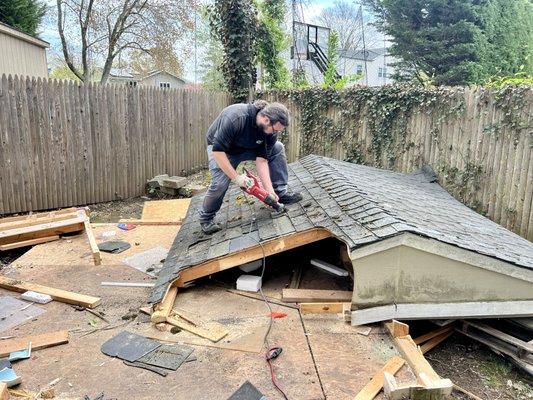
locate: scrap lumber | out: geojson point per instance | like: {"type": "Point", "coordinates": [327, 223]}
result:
{"type": "Point", "coordinates": [92, 242]}
{"type": "Point", "coordinates": [45, 229]}
{"type": "Point", "coordinates": [413, 390]}
{"type": "Point", "coordinates": [375, 385]}
{"type": "Point", "coordinates": [163, 309]}
{"type": "Point", "coordinates": [165, 210]}
{"type": "Point", "coordinates": [321, 308]}
{"type": "Point", "coordinates": [477, 309]}
{"type": "Point", "coordinates": [30, 242]}
{"type": "Point", "coordinates": [296, 277]}
{"type": "Point", "coordinates": [414, 357]}
{"type": "Point", "coordinates": [35, 216]}
{"type": "Point", "coordinates": [37, 342]}
{"type": "Point", "coordinates": [4, 393]}
{"type": "Point", "coordinates": [63, 296]}
{"type": "Point", "coordinates": [430, 335]}
{"type": "Point", "coordinates": [502, 344]}
{"type": "Point", "coordinates": [434, 342]}
{"type": "Point", "coordinates": [315, 296]}
{"type": "Point", "coordinates": [259, 297]}
{"type": "Point", "coordinates": [211, 331]}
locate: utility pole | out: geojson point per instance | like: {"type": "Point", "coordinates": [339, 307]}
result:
{"type": "Point", "coordinates": [364, 43]}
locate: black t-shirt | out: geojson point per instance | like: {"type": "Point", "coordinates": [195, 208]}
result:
{"type": "Point", "coordinates": [235, 131]}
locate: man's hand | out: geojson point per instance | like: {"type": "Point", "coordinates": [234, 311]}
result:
{"type": "Point", "coordinates": [244, 181]}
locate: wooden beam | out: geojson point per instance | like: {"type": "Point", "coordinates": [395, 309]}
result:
{"type": "Point", "coordinates": [42, 230]}
{"type": "Point", "coordinates": [25, 243]}
{"type": "Point", "coordinates": [4, 393]}
{"type": "Point", "coordinates": [375, 385]}
{"type": "Point", "coordinates": [162, 310]}
{"type": "Point", "coordinates": [37, 342]}
{"type": "Point", "coordinates": [434, 342]}
{"type": "Point", "coordinates": [97, 257]}
{"type": "Point", "coordinates": [432, 334]}
{"type": "Point", "coordinates": [270, 247]}
{"type": "Point", "coordinates": [148, 222]}
{"type": "Point", "coordinates": [71, 210]}
{"type": "Point", "coordinates": [476, 309]}
{"type": "Point", "coordinates": [35, 221]}
{"type": "Point", "coordinates": [420, 366]}
{"type": "Point", "coordinates": [321, 308]}
{"type": "Point", "coordinates": [397, 328]}
{"type": "Point", "coordinates": [57, 294]}
{"type": "Point", "coordinates": [316, 296]}
{"type": "Point", "coordinates": [211, 331]}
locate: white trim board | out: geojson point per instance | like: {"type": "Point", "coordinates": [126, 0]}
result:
{"type": "Point", "coordinates": [463, 310]}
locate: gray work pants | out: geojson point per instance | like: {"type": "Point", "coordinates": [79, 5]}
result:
{"type": "Point", "coordinates": [277, 165]}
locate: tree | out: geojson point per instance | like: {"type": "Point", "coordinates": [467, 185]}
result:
{"type": "Point", "coordinates": [347, 19]}
{"type": "Point", "coordinates": [234, 23]}
{"type": "Point", "coordinates": [212, 55]}
{"type": "Point", "coordinates": [456, 42]}
{"type": "Point", "coordinates": [97, 32]}
{"type": "Point", "coordinates": [24, 15]}
{"type": "Point", "coordinates": [272, 40]}
{"type": "Point", "coordinates": [161, 57]}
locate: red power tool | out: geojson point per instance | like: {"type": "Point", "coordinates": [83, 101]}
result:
{"type": "Point", "coordinates": [257, 190]}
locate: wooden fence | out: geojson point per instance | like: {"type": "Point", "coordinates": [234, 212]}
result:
{"type": "Point", "coordinates": [64, 144]}
{"type": "Point", "coordinates": [478, 141]}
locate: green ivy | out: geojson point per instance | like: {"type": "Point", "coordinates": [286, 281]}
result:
{"type": "Point", "coordinates": [234, 23]}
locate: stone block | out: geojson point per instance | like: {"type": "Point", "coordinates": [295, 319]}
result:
{"type": "Point", "coordinates": [174, 182]}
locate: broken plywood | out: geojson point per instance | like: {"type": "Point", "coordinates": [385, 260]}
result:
{"type": "Point", "coordinates": [166, 210]}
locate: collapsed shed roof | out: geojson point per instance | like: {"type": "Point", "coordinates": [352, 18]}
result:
{"type": "Point", "coordinates": [357, 204]}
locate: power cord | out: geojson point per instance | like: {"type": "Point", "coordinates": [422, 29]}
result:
{"type": "Point", "coordinates": [274, 352]}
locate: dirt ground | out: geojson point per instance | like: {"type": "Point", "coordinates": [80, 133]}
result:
{"type": "Point", "coordinates": [323, 357]}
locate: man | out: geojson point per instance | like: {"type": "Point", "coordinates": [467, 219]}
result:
{"type": "Point", "coordinates": [246, 132]}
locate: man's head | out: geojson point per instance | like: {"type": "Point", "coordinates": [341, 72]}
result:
{"type": "Point", "coordinates": [271, 117]}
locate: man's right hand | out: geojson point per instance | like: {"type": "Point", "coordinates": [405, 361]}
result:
{"type": "Point", "coordinates": [244, 181]}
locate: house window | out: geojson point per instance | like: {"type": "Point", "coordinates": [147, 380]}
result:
{"type": "Point", "coordinates": [132, 83]}
{"type": "Point", "coordinates": [164, 85]}
{"type": "Point", "coordinates": [380, 72]}
{"type": "Point", "coordinates": [359, 69]}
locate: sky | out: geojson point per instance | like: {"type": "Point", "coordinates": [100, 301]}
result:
{"type": "Point", "coordinates": [48, 31]}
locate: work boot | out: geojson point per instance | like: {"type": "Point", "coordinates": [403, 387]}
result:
{"type": "Point", "coordinates": [210, 227]}
{"type": "Point", "coordinates": [290, 198]}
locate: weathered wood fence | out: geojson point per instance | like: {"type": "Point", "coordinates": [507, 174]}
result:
{"type": "Point", "coordinates": [478, 141]}
{"type": "Point", "coordinates": [64, 144]}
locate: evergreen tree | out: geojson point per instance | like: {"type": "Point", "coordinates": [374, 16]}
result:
{"type": "Point", "coordinates": [24, 15]}
{"type": "Point", "coordinates": [456, 42]}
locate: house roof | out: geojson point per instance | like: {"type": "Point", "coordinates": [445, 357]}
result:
{"type": "Point", "coordinates": [152, 73]}
{"type": "Point", "coordinates": [11, 31]}
{"type": "Point", "coordinates": [367, 55]}
{"type": "Point", "coordinates": [357, 204]}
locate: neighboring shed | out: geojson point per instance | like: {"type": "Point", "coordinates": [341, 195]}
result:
{"type": "Point", "coordinates": [22, 54]}
{"type": "Point", "coordinates": [163, 80]}
{"type": "Point", "coordinates": [409, 241]}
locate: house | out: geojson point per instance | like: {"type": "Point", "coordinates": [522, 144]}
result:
{"type": "Point", "coordinates": [160, 79]}
{"type": "Point", "coordinates": [373, 64]}
{"type": "Point", "coordinates": [412, 249]}
{"type": "Point", "coordinates": [22, 54]}
{"type": "Point", "coordinates": [310, 53]}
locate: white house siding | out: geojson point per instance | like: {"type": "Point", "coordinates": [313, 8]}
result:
{"type": "Point", "coordinates": [378, 71]}
{"type": "Point", "coordinates": [20, 57]}
{"type": "Point", "coordinates": [157, 79]}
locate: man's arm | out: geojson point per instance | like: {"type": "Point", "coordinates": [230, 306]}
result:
{"type": "Point", "coordinates": [261, 165]}
{"type": "Point", "coordinates": [223, 162]}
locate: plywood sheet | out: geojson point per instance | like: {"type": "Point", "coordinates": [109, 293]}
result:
{"type": "Point", "coordinates": [75, 250]}
{"type": "Point", "coordinates": [166, 210]}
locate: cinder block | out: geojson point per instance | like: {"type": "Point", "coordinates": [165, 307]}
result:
{"type": "Point", "coordinates": [174, 182]}
{"type": "Point", "coordinates": [156, 182]}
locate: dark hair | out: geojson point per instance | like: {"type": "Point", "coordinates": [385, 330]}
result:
{"type": "Point", "coordinates": [275, 112]}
